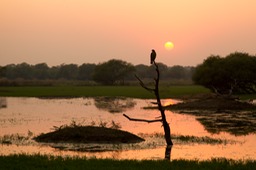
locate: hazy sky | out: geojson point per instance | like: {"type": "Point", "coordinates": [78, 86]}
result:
{"type": "Point", "coordinates": [93, 31]}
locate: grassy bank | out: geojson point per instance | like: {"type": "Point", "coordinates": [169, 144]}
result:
{"type": "Point", "coordinates": [45, 162]}
{"type": "Point", "coordinates": [94, 91]}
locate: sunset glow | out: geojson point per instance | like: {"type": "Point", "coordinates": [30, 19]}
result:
{"type": "Point", "coordinates": [71, 31]}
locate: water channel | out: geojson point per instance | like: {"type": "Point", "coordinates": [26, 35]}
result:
{"type": "Point", "coordinates": [22, 118]}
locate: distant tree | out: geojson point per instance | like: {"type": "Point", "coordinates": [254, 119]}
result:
{"type": "Point", "coordinates": [242, 70]}
{"type": "Point", "coordinates": [85, 71]}
{"type": "Point", "coordinates": [41, 71]}
{"type": "Point", "coordinates": [142, 70]}
{"type": "Point", "coordinates": [23, 70]}
{"type": "Point", "coordinates": [176, 72]}
{"type": "Point", "coordinates": [112, 72]}
{"type": "Point", "coordinates": [235, 73]}
{"type": "Point", "coordinates": [205, 73]}
{"type": "Point", "coordinates": [162, 68]}
{"type": "Point", "coordinates": [68, 71]}
{"type": "Point", "coordinates": [189, 72]}
{"type": "Point", "coordinates": [2, 72]}
{"type": "Point", "coordinates": [168, 73]}
{"type": "Point", "coordinates": [53, 72]}
{"type": "Point", "coordinates": [9, 71]}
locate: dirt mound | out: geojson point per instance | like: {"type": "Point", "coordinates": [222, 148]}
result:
{"type": "Point", "coordinates": [88, 134]}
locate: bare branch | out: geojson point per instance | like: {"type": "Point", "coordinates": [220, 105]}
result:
{"type": "Point", "coordinates": [143, 85]}
{"type": "Point", "coordinates": [142, 120]}
{"type": "Point", "coordinates": [155, 103]}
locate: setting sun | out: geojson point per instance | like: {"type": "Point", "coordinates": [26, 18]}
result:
{"type": "Point", "coordinates": [169, 45]}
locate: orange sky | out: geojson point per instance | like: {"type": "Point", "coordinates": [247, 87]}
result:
{"type": "Point", "coordinates": [93, 31]}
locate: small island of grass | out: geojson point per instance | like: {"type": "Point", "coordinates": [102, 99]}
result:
{"type": "Point", "coordinates": [88, 134]}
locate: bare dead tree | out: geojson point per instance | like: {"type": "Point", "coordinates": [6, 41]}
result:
{"type": "Point", "coordinates": [167, 131]}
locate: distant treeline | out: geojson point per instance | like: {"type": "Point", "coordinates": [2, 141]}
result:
{"type": "Point", "coordinates": [92, 72]}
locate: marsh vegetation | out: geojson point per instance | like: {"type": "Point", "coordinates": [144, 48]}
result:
{"type": "Point", "coordinates": [51, 162]}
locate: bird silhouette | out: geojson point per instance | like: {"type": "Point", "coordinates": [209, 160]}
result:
{"type": "Point", "coordinates": [152, 56]}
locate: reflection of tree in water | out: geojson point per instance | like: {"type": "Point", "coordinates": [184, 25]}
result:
{"type": "Point", "coordinates": [3, 102]}
{"type": "Point", "coordinates": [114, 104]}
{"type": "Point", "coordinates": [235, 123]}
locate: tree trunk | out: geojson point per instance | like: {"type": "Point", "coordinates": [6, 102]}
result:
{"type": "Point", "coordinates": [167, 131]}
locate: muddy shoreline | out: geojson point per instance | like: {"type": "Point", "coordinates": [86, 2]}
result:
{"type": "Point", "coordinates": [212, 102]}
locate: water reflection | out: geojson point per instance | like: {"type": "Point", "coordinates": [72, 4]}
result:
{"type": "Point", "coordinates": [240, 123]}
{"type": "Point", "coordinates": [3, 102]}
{"type": "Point", "coordinates": [114, 104]}
{"type": "Point", "coordinates": [24, 116]}
{"type": "Point", "coordinates": [234, 122]}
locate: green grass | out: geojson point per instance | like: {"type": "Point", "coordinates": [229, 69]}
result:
{"type": "Point", "coordinates": [247, 96]}
{"type": "Point", "coordinates": [94, 91]}
{"type": "Point", "coordinates": [50, 162]}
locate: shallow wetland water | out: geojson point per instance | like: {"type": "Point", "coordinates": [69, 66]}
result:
{"type": "Point", "coordinates": [23, 118]}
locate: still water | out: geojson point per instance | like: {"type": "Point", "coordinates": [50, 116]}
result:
{"type": "Point", "coordinates": [28, 117]}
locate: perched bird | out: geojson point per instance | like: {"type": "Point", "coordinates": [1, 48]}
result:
{"type": "Point", "coordinates": [152, 56]}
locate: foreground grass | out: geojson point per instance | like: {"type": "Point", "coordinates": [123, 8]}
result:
{"type": "Point", "coordinates": [94, 91]}
{"type": "Point", "coordinates": [46, 162]}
